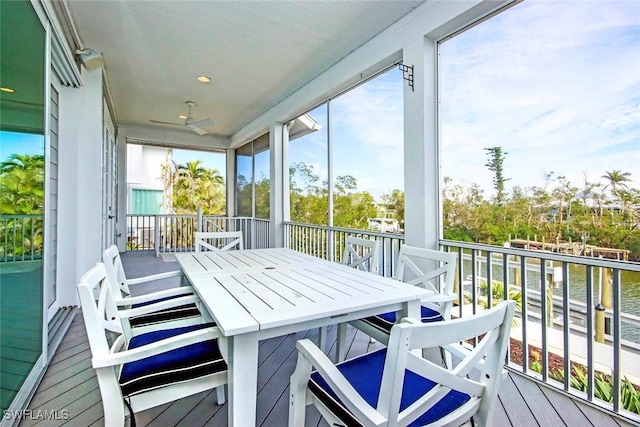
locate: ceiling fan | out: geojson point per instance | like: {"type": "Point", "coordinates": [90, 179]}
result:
{"type": "Point", "coordinates": [189, 123]}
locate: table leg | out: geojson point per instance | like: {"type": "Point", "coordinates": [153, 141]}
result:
{"type": "Point", "coordinates": [243, 379]}
{"type": "Point", "coordinates": [411, 309]}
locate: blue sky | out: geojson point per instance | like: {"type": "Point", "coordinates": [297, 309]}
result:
{"type": "Point", "coordinates": [555, 83]}
{"type": "Point", "coordinates": [208, 159]}
{"type": "Point", "coordinates": [22, 143]}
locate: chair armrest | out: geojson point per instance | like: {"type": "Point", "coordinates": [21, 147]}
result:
{"type": "Point", "coordinates": [162, 305]}
{"type": "Point", "coordinates": [338, 383]}
{"type": "Point", "coordinates": [158, 347]}
{"type": "Point", "coordinates": [440, 298]}
{"type": "Point", "coordinates": [158, 276]}
{"type": "Point", "coordinates": [173, 292]}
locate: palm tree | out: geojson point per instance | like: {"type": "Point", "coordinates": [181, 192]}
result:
{"type": "Point", "coordinates": [22, 185]}
{"type": "Point", "coordinates": [616, 178]}
{"type": "Point", "coordinates": [194, 186]}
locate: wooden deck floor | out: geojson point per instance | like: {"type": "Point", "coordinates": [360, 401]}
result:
{"type": "Point", "coordinates": [70, 387]}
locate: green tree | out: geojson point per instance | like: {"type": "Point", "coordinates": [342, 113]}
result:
{"type": "Point", "coordinates": [495, 165]}
{"type": "Point", "coordinates": [394, 202]}
{"type": "Point", "coordinates": [616, 179]}
{"type": "Point", "coordinates": [22, 185]}
{"type": "Point", "coordinates": [22, 193]}
{"type": "Point", "coordinates": [193, 186]}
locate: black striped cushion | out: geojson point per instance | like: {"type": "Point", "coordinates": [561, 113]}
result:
{"type": "Point", "coordinates": [385, 322]}
{"type": "Point", "coordinates": [173, 313]}
{"type": "Point", "coordinates": [173, 366]}
{"type": "Point", "coordinates": [365, 375]}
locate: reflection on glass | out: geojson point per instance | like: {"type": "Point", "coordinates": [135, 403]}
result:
{"type": "Point", "coordinates": [21, 194]}
{"type": "Point", "coordinates": [262, 176]}
{"type": "Point", "coordinates": [308, 168]}
{"type": "Point", "coordinates": [244, 180]}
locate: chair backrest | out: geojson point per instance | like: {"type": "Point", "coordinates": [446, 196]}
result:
{"type": "Point", "coordinates": [431, 269]}
{"type": "Point", "coordinates": [98, 309]}
{"type": "Point", "coordinates": [115, 272]}
{"type": "Point", "coordinates": [218, 240]}
{"type": "Point", "coordinates": [361, 254]}
{"type": "Point", "coordinates": [487, 358]}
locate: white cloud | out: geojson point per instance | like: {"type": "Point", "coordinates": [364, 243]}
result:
{"type": "Point", "coordinates": [556, 84]}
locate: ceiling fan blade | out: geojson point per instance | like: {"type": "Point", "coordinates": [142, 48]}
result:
{"type": "Point", "coordinates": [196, 129]}
{"type": "Point", "coordinates": [203, 123]}
{"type": "Point", "coordinates": [166, 123]}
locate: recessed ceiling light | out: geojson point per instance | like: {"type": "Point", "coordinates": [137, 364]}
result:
{"type": "Point", "coordinates": [182, 116]}
{"type": "Point", "coordinates": [204, 79]}
{"type": "Point", "coordinates": [7, 89]}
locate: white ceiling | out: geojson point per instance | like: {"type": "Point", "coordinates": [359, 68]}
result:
{"type": "Point", "coordinates": [256, 52]}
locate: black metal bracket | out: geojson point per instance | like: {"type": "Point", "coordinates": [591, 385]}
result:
{"type": "Point", "coordinates": [407, 74]}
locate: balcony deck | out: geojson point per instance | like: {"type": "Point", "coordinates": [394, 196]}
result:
{"type": "Point", "coordinates": [70, 384]}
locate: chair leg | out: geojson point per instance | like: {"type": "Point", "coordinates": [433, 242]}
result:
{"type": "Point", "coordinates": [446, 358]}
{"type": "Point", "coordinates": [298, 392]}
{"type": "Point", "coordinates": [341, 342]}
{"type": "Point", "coordinates": [220, 395]}
{"type": "Point", "coordinates": [112, 400]}
{"type": "Point", "coordinates": [323, 338]}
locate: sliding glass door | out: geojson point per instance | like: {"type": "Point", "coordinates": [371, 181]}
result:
{"type": "Point", "coordinates": [22, 194]}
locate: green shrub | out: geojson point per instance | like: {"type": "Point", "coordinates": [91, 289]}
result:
{"type": "Point", "coordinates": [603, 387]}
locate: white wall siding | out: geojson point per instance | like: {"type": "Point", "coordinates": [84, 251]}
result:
{"type": "Point", "coordinates": [79, 183]}
{"type": "Point", "coordinates": [144, 166]}
{"type": "Point", "coordinates": [52, 229]}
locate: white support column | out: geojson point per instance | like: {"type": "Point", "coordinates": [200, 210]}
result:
{"type": "Point", "coordinates": [231, 182]}
{"type": "Point", "coordinates": [421, 175]}
{"type": "Point", "coordinates": [277, 132]}
{"type": "Point", "coordinates": [79, 183]}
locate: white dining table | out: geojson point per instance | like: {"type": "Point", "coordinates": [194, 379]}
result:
{"type": "Point", "coordinates": [258, 294]}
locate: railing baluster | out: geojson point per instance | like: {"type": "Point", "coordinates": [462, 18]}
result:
{"type": "Point", "coordinates": [523, 296]}
{"type": "Point", "coordinates": [617, 341]}
{"type": "Point", "coordinates": [590, 329]}
{"type": "Point", "coordinates": [566, 320]}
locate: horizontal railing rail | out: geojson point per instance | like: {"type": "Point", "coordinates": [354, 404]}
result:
{"type": "Point", "coordinates": [21, 237]}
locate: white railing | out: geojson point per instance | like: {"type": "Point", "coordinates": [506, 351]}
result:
{"type": "Point", "coordinates": [562, 319]}
{"type": "Point", "coordinates": [21, 237]}
{"type": "Point", "coordinates": [559, 313]}
{"type": "Point", "coordinates": [328, 243]}
{"type": "Point", "coordinates": [167, 233]}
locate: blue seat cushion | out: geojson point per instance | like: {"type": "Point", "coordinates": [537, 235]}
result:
{"type": "Point", "coordinates": [365, 375]}
{"type": "Point", "coordinates": [173, 313]}
{"type": "Point", "coordinates": [173, 366]}
{"type": "Point", "coordinates": [385, 321]}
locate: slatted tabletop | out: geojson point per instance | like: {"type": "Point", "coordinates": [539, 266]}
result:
{"type": "Point", "coordinates": [250, 259]}
{"type": "Point", "coordinates": [262, 293]}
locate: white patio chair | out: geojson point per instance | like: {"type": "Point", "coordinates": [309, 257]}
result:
{"type": "Point", "coordinates": [395, 387]}
{"type": "Point", "coordinates": [149, 369]}
{"type": "Point", "coordinates": [183, 314]}
{"type": "Point", "coordinates": [431, 269]}
{"type": "Point", "coordinates": [218, 240]}
{"type": "Point", "coordinates": [361, 254]}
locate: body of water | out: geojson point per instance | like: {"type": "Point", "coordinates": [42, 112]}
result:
{"type": "Point", "coordinates": [577, 279]}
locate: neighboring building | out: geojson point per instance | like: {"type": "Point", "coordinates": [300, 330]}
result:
{"type": "Point", "coordinates": [145, 189]}
{"type": "Point", "coordinates": [384, 225]}
{"type": "Point", "coordinates": [145, 192]}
